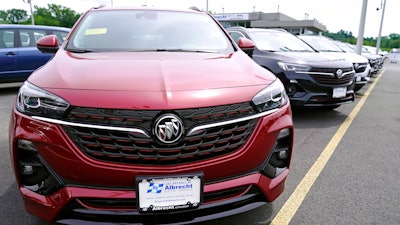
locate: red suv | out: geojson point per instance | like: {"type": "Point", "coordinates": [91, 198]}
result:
{"type": "Point", "coordinates": [146, 112]}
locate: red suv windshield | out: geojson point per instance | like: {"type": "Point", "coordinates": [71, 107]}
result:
{"type": "Point", "coordinates": [147, 30]}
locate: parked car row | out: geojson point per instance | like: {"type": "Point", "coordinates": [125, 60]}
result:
{"type": "Point", "coordinates": [376, 61]}
{"type": "Point", "coordinates": [315, 70]}
{"type": "Point", "coordinates": [361, 65]}
{"type": "Point", "coordinates": [311, 78]}
{"type": "Point", "coordinates": [152, 116]}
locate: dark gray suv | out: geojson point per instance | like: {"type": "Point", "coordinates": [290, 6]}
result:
{"type": "Point", "coordinates": [311, 78]}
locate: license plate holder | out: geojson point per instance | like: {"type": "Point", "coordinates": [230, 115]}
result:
{"type": "Point", "coordinates": [339, 92]}
{"type": "Point", "coordinates": [158, 194]}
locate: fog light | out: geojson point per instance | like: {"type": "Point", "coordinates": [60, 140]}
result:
{"type": "Point", "coordinates": [27, 170]}
{"type": "Point", "coordinates": [283, 155]}
{"type": "Point", "coordinates": [279, 158]}
{"type": "Point", "coordinates": [35, 174]}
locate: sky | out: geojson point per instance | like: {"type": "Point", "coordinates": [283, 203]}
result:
{"type": "Point", "coordinates": [336, 15]}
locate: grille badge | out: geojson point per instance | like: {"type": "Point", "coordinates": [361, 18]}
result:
{"type": "Point", "coordinates": [339, 73]}
{"type": "Point", "coordinates": [168, 128]}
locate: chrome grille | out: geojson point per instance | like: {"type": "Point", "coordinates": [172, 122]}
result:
{"type": "Point", "coordinates": [361, 67]}
{"type": "Point", "coordinates": [327, 76]}
{"type": "Point", "coordinates": [134, 148]}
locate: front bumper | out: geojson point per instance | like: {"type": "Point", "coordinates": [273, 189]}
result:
{"type": "Point", "coordinates": [74, 203]}
{"type": "Point", "coordinates": [86, 189]}
{"type": "Point", "coordinates": [309, 95]}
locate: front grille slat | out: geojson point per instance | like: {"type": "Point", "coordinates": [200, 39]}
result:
{"type": "Point", "coordinates": [129, 148]}
{"type": "Point", "coordinates": [325, 79]}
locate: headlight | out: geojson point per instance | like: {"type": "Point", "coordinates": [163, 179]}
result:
{"type": "Point", "coordinates": [35, 101]}
{"type": "Point", "coordinates": [271, 97]}
{"type": "Point", "coordinates": [294, 67]}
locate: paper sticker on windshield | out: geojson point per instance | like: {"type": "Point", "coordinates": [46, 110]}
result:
{"type": "Point", "coordinates": [95, 31]}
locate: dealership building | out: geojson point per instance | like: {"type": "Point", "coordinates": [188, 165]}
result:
{"type": "Point", "coordinates": [271, 20]}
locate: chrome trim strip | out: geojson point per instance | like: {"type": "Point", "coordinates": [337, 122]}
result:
{"type": "Point", "coordinates": [139, 131]}
{"type": "Point", "coordinates": [195, 129]}
{"type": "Point", "coordinates": [328, 74]}
{"type": "Point", "coordinates": [317, 73]}
{"type": "Point", "coordinates": [133, 130]}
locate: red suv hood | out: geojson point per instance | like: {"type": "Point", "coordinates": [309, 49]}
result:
{"type": "Point", "coordinates": [150, 71]}
{"type": "Point", "coordinates": [159, 74]}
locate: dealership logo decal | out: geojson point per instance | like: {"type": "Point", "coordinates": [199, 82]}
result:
{"type": "Point", "coordinates": [168, 128]}
{"type": "Point", "coordinates": [155, 188]}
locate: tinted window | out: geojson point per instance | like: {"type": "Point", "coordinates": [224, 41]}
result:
{"type": "Point", "coordinates": [278, 41]}
{"type": "Point", "coordinates": [7, 38]}
{"type": "Point", "coordinates": [30, 37]}
{"type": "Point", "coordinates": [321, 44]}
{"type": "Point", "coordinates": [236, 35]}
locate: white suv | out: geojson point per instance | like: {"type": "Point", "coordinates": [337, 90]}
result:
{"type": "Point", "coordinates": [361, 65]}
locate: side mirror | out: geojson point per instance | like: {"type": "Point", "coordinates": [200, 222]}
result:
{"type": "Point", "coordinates": [48, 44]}
{"type": "Point", "coordinates": [246, 45]}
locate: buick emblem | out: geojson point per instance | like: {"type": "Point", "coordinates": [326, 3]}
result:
{"type": "Point", "coordinates": [339, 73]}
{"type": "Point", "coordinates": [168, 128]}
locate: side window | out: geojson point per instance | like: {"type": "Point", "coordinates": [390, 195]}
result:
{"type": "Point", "coordinates": [236, 35]}
{"type": "Point", "coordinates": [61, 35]}
{"type": "Point", "coordinates": [29, 38]}
{"type": "Point", "coordinates": [7, 38]}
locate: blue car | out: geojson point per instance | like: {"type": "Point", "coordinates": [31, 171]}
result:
{"type": "Point", "coordinates": [19, 56]}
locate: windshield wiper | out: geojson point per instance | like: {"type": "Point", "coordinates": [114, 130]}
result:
{"type": "Point", "coordinates": [268, 50]}
{"type": "Point", "coordinates": [79, 50]}
{"type": "Point", "coordinates": [302, 50]}
{"type": "Point", "coordinates": [183, 50]}
{"type": "Point", "coordinates": [327, 50]}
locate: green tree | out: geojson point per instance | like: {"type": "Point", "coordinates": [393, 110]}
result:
{"type": "Point", "coordinates": [3, 16]}
{"type": "Point", "coordinates": [342, 35]}
{"type": "Point", "coordinates": [44, 17]}
{"type": "Point", "coordinates": [15, 16]}
{"type": "Point", "coordinates": [394, 36]}
{"type": "Point", "coordinates": [55, 15]}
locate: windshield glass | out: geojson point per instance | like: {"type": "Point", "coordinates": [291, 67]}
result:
{"type": "Point", "coordinates": [278, 41]}
{"type": "Point", "coordinates": [148, 30]}
{"type": "Point", "coordinates": [346, 47]}
{"type": "Point", "coordinates": [321, 44]}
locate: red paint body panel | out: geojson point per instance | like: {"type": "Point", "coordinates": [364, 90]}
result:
{"type": "Point", "coordinates": [75, 115]}
{"type": "Point", "coordinates": [152, 80]}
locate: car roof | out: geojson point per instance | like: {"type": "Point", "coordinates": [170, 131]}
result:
{"type": "Point", "coordinates": [307, 36]}
{"type": "Point", "coordinates": [275, 30]}
{"type": "Point", "coordinates": [106, 8]}
{"type": "Point", "coordinates": [23, 26]}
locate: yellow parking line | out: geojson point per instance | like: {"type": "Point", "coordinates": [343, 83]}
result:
{"type": "Point", "coordinates": [289, 209]}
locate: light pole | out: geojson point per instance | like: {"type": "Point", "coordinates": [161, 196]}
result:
{"type": "Point", "coordinates": [360, 37]}
{"type": "Point", "coordinates": [30, 3]}
{"type": "Point", "coordinates": [378, 42]}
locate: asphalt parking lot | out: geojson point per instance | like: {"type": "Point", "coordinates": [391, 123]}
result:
{"type": "Point", "coordinates": [344, 170]}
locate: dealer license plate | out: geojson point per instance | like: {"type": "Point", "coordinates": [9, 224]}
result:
{"type": "Point", "coordinates": [339, 92]}
{"type": "Point", "coordinates": [169, 193]}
